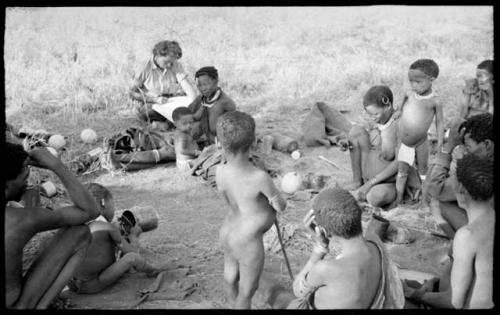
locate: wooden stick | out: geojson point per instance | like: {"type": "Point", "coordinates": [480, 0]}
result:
{"type": "Point", "coordinates": [330, 161]}
{"type": "Point", "coordinates": [283, 248]}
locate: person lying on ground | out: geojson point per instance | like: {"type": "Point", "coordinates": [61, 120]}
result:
{"type": "Point", "coordinates": [373, 152]}
{"type": "Point", "coordinates": [360, 277]}
{"type": "Point", "coordinates": [160, 78]}
{"type": "Point", "coordinates": [254, 201]}
{"type": "Point", "coordinates": [469, 282]}
{"type": "Point", "coordinates": [56, 264]}
{"type": "Point", "coordinates": [418, 110]}
{"type": "Point", "coordinates": [210, 105]}
{"type": "Point", "coordinates": [101, 267]}
{"type": "Point", "coordinates": [476, 135]}
{"type": "Point", "coordinates": [478, 92]}
{"type": "Point", "coordinates": [186, 149]}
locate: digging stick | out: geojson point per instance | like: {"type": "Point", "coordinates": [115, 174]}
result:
{"type": "Point", "coordinates": [329, 161]}
{"type": "Point", "coordinates": [283, 248]}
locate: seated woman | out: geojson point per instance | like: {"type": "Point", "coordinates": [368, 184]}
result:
{"type": "Point", "coordinates": [478, 92]}
{"type": "Point", "coordinates": [161, 84]}
{"type": "Point", "coordinates": [373, 152]}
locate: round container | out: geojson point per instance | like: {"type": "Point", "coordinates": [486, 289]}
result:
{"type": "Point", "coordinates": [48, 189]}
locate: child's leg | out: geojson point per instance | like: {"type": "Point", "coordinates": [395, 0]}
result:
{"type": "Point", "coordinates": [360, 141]}
{"type": "Point", "coordinates": [231, 277]}
{"type": "Point", "coordinates": [251, 266]}
{"type": "Point", "coordinates": [114, 272]}
{"type": "Point", "coordinates": [422, 157]}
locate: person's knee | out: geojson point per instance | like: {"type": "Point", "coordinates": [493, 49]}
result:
{"type": "Point", "coordinates": [375, 198]}
{"type": "Point", "coordinates": [133, 259]}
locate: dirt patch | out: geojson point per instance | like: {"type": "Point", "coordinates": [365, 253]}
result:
{"type": "Point", "coordinates": [191, 213]}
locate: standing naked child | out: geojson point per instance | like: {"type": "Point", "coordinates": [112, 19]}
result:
{"type": "Point", "coordinates": [417, 112]}
{"type": "Point", "coordinates": [186, 148]}
{"type": "Point", "coordinates": [253, 199]}
{"type": "Point", "coordinates": [210, 105]}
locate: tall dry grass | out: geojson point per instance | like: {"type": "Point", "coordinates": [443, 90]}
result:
{"type": "Point", "coordinates": [60, 60]}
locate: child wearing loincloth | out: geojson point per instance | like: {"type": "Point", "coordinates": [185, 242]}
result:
{"type": "Point", "coordinates": [186, 149]}
{"type": "Point", "coordinates": [362, 276]}
{"type": "Point", "coordinates": [478, 92]}
{"type": "Point", "coordinates": [253, 199]}
{"type": "Point", "coordinates": [101, 268]}
{"type": "Point", "coordinates": [418, 110]}
{"type": "Point", "coordinates": [210, 105]}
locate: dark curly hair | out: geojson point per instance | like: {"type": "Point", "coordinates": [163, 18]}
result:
{"type": "Point", "coordinates": [210, 71]}
{"type": "Point", "coordinates": [475, 173]}
{"type": "Point", "coordinates": [427, 66]}
{"type": "Point", "coordinates": [14, 160]}
{"type": "Point", "coordinates": [338, 213]}
{"type": "Point", "coordinates": [479, 127]}
{"type": "Point", "coordinates": [179, 112]}
{"type": "Point", "coordinates": [378, 94]}
{"type": "Point", "coordinates": [486, 65]}
{"type": "Point", "coordinates": [165, 47]}
{"type": "Point", "coordinates": [236, 131]}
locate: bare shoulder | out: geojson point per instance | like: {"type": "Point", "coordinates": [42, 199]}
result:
{"type": "Point", "coordinates": [325, 270]}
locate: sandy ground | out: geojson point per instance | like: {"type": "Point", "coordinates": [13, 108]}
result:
{"type": "Point", "coordinates": [191, 213]}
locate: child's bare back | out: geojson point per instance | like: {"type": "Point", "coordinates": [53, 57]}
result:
{"type": "Point", "coordinates": [481, 233]}
{"type": "Point", "coordinates": [251, 215]}
{"type": "Point", "coordinates": [416, 120]}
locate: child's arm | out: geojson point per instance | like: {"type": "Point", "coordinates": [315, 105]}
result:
{"type": "Point", "coordinates": [439, 125]}
{"type": "Point", "coordinates": [272, 193]}
{"type": "Point", "coordinates": [399, 110]}
{"type": "Point", "coordinates": [115, 235]}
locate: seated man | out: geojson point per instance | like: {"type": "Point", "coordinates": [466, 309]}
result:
{"type": "Point", "coordinates": [101, 267]}
{"type": "Point", "coordinates": [361, 276]}
{"type": "Point", "coordinates": [160, 85]}
{"type": "Point", "coordinates": [469, 283]}
{"type": "Point", "coordinates": [476, 133]}
{"type": "Point", "coordinates": [54, 267]}
{"type": "Point", "coordinates": [210, 105]}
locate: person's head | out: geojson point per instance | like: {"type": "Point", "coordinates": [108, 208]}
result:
{"type": "Point", "coordinates": [338, 213]}
{"type": "Point", "coordinates": [16, 171]}
{"type": "Point", "coordinates": [183, 119]}
{"type": "Point", "coordinates": [474, 179]}
{"type": "Point", "coordinates": [236, 132]}
{"type": "Point", "coordinates": [104, 199]}
{"type": "Point", "coordinates": [484, 74]}
{"type": "Point", "coordinates": [207, 80]}
{"type": "Point", "coordinates": [478, 134]}
{"type": "Point", "coordinates": [421, 75]}
{"type": "Point", "coordinates": [378, 103]}
{"type": "Point", "coordinates": [165, 52]}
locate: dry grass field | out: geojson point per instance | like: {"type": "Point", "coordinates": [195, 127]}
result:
{"type": "Point", "coordinates": [67, 69]}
